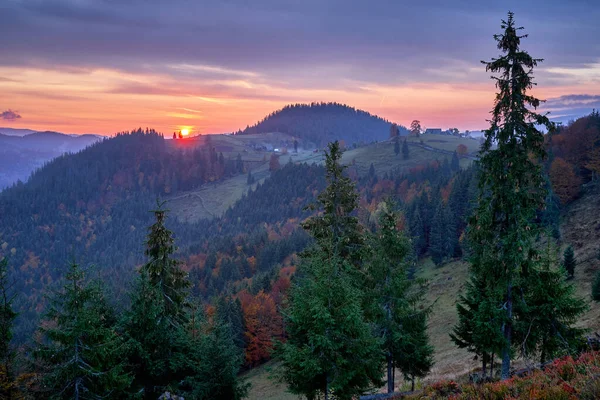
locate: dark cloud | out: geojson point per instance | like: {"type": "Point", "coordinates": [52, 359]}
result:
{"type": "Point", "coordinates": [10, 115]}
{"type": "Point", "coordinates": [387, 41]}
{"type": "Point", "coordinates": [571, 101]}
{"type": "Point", "coordinates": [572, 106]}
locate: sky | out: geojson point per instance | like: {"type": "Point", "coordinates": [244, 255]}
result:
{"type": "Point", "coordinates": [104, 66]}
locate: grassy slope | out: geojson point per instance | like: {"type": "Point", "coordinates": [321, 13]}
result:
{"type": "Point", "coordinates": [213, 199]}
{"type": "Point", "coordinates": [580, 228]}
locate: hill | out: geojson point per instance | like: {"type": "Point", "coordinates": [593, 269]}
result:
{"type": "Point", "coordinates": [316, 124]}
{"type": "Point", "coordinates": [580, 227]}
{"type": "Point", "coordinates": [23, 153]}
{"type": "Point", "coordinates": [15, 132]}
{"type": "Point", "coordinates": [214, 199]}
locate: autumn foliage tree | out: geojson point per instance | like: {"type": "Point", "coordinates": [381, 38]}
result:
{"type": "Point", "coordinates": [264, 326]}
{"type": "Point", "coordinates": [462, 150]}
{"type": "Point", "coordinates": [274, 162]}
{"type": "Point", "coordinates": [565, 182]}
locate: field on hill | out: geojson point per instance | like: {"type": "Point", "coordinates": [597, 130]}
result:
{"type": "Point", "coordinates": [580, 228]}
{"type": "Point", "coordinates": [212, 200]}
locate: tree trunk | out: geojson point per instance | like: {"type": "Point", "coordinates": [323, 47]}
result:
{"type": "Point", "coordinates": [507, 334]}
{"type": "Point", "coordinates": [484, 364]}
{"type": "Point", "coordinates": [390, 374]}
{"type": "Point", "coordinates": [492, 367]}
{"type": "Point", "coordinates": [412, 387]}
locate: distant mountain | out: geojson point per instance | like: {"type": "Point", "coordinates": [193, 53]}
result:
{"type": "Point", "coordinates": [16, 132]}
{"type": "Point", "coordinates": [22, 151]}
{"type": "Point", "coordinates": [320, 123]}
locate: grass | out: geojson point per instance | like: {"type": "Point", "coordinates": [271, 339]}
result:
{"type": "Point", "coordinates": [265, 388]}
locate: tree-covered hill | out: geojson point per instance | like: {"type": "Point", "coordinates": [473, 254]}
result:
{"type": "Point", "coordinates": [319, 123]}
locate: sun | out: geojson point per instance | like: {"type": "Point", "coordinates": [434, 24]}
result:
{"type": "Point", "coordinates": [185, 132]}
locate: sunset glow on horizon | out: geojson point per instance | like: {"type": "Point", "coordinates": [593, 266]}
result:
{"type": "Point", "coordinates": [222, 82]}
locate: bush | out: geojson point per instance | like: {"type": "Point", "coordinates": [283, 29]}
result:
{"type": "Point", "coordinates": [564, 379]}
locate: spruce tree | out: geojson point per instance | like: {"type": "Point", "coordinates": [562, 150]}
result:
{"type": "Point", "coordinates": [550, 309]}
{"type": "Point", "coordinates": [214, 374]}
{"type": "Point", "coordinates": [511, 185]}
{"type": "Point", "coordinates": [392, 300]}
{"type": "Point", "coordinates": [438, 237]}
{"type": "Point", "coordinates": [330, 349]}
{"type": "Point", "coordinates": [337, 226]}
{"type": "Point", "coordinates": [396, 146]}
{"type": "Point", "coordinates": [81, 355]}
{"type": "Point", "coordinates": [405, 150]}
{"type": "Point", "coordinates": [569, 262]}
{"type": "Point", "coordinates": [154, 325]}
{"type": "Point", "coordinates": [165, 272]}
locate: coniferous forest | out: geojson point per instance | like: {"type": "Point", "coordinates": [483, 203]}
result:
{"type": "Point", "coordinates": [316, 270]}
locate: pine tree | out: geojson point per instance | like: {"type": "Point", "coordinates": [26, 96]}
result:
{"type": "Point", "coordinates": [511, 184]}
{"type": "Point", "coordinates": [330, 349]}
{"type": "Point", "coordinates": [405, 150]}
{"type": "Point", "coordinates": [165, 272]}
{"type": "Point", "coordinates": [479, 322]}
{"type": "Point", "coordinates": [336, 226]}
{"type": "Point", "coordinates": [415, 353]}
{"type": "Point", "coordinates": [154, 324]}
{"type": "Point", "coordinates": [396, 146]}
{"type": "Point", "coordinates": [392, 300]}
{"type": "Point", "coordinates": [214, 375]}
{"type": "Point", "coordinates": [569, 262]}
{"type": "Point", "coordinates": [81, 355]}
{"type": "Point", "coordinates": [550, 311]}
{"type": "Point", "coordinates": [7, 318]}
{"type": "Point", "coordinates": [438, 238]}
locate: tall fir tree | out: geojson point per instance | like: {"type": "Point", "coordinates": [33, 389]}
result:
{"type": "Point", "coordinates": [396, 145]}
{"type": "Point", "coordinates": [164, 271]}
{"type": "Point", "coordinates": [392, 299]}
{"type": "Point", "coordinates": [154, 325]}
{"type": "Point", "coordinates": [503, 231]}
{"type": "Point", "coordinates": [330, 348]}
{"type": "Point", "coordinates": [81, 356]}
{"type": "Point", "coordinates": [551, 308]}
{"type": "Point", "coordinates": [337, 225]}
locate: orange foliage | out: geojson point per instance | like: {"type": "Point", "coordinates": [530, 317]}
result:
{"type": "Point", "coordinates": [462, 150]}
{"type": "Point", "coordinates": [565, 182]}
{"type": "Point", "coordinates": [263, 324]}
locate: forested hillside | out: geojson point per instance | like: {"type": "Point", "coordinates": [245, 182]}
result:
{"type": "Point", "coordinates": [317, 124]}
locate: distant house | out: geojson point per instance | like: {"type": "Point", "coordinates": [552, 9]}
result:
{"type": "Point", "coordinates": [433, 131]}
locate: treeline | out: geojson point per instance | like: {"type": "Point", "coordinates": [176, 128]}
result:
{"type": "Point", "coordinates": [321, 123]}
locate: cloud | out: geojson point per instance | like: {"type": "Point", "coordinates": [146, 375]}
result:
{"type": "Point", "coordinates": [10, 115]}
{"type": "Point", "coordinates": [571, 101]}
